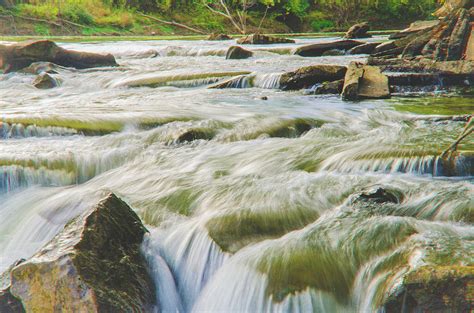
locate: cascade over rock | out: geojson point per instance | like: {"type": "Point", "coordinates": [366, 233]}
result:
{"type": "Point", "coordinates": [93, 265]}
{"type": "Point", "coordinates": [18, 56]}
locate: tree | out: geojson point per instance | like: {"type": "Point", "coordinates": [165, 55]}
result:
{"type": "Point", "coordinates": [237, 15]}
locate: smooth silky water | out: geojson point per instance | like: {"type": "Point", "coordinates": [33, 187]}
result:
{"type": "Point", "coordinates": [262, 214]}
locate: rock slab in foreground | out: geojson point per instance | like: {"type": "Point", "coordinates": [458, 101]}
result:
{"type": "Point", "coordinates": [259, 39]}
{"type": "Point", "coordinates": [236, 52]}
{"type": "Point", "coordinates": [18, 56]}
{"type": "Point", "coordinates": [93, 265]}
{"type": "Point", "coordinates": [435, 289]}
{"type": "Point", "coordinates": [365, 82]}
{"type": "Point", "coordinates": [308, 76]}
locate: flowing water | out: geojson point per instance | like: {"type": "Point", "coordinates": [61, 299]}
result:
{"type": "Point", "coordinates": [260, 213]}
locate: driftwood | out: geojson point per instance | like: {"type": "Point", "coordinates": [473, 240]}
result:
{"type": "Point", "coordinates": [468, 129]}
{"type": "Point", "coordinates": [172, 23]}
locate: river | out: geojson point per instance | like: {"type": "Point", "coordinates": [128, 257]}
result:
{"type": "Point", "coordinates": [262, 213]}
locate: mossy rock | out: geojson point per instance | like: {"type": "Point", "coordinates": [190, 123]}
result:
{"type": "Point", "coordinates": [93, 265]}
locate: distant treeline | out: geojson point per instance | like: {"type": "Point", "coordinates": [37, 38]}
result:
{"type": "Point", "coordinates": [297, 15]}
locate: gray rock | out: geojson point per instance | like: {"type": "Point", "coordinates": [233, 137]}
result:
{"type": "Point", "coordinates": [318, 49]}
{"type": "Point", "coordinates": [236, 52]}
{"type": "Point", "coordinates": [46, 81]}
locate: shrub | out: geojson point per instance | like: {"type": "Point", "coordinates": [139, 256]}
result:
{"type": "Point", "coordinates": [76, 13]}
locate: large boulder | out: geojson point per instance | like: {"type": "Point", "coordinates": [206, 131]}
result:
{"type": "Point", "coordinates": [93, 265]}
{"type": "Point", "coordinates": [318, 49]}
{"type": "Point", "coordinates": [363, 82]}
{"type": "Point", "coordinates": [358, 31]}
{"type": "Point", "coordinates": [236, 52]}
{"type": "Point", "coordinates": [259, 39]}
{"type": "Point", "coordinates": [308, 76]}
{"type": "Point", "coordinates": [333, 88]}
{"type": "Point", "coordinates": [435, 289]}
{"type": "Point", "coordinates": [21, 55]}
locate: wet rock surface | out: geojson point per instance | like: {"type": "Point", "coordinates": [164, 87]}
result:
{"type": "Point", "coordinates": [318, 49]}
{"type": "Point", "coordinates": [236, 52]}
{"type": "Point", "coordinates": [366, 48]}
{"type": "Point", "coordinates": [334, 87]}
{"type": "Point", "coordinates": [18, 56]}
{"type": "Point", "coordinates": [435, 289]}
{"type": "Point", "coordinates": [46, 81]}
{"type": "Point", "coordinates": [364, 81]}
{"type": "Point", "coordinates": [306, 77]}
{"type": "Point", "coordinates": [259, 39]}
{"type": "Point", "coordinates": [93, 265]}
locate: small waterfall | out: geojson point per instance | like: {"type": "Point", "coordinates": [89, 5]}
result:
{"type": "Point", "coordinates": [18, 130]}
{"type": "Point", "coordinates": [267, 81]}
{"type": "Point", "coordinates": [191, 256]}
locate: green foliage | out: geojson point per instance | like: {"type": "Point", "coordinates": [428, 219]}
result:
{"type": "Point", "coordinates": [42, 30]}
{"type": "Point", "coordinates": [76, 13]}
{"type": "Point", "coordinates": [320, 25]}
{"type": "Point", "coordinates": [297, 7]}
{"type": "Point", "coordinates": [44, 11]}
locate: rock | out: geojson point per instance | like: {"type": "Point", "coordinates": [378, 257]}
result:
{"type": "Point", "coordinates": [334, 52]}
{"type": "Point", "coordinates": [334, 87]}
{"type": "Point", "coordinates": [18, 56]}
{"type": "Point", "coordinates": [195, 134]}
{"type": "Point", "coordinates": [306, 77]}
{"type": "Point", "coordinates": [436, 289]}
{"type": "Point", "coordinates": [452, 5]}
{"type": "Point", "coordinates": [469, 54]}
{"type": "Point", "coordinates": [366, 48]}
{"type": "Point", "coordinates": [318, 49]}
{"type": "Point", "coordinates": [46, 81]}
{"type": "Point", "coordinates": [264, 98]}
{"type": "Point", "coordinates": [421, 64]}
{"type": "Point", "coordinates": [259, 39]}
{"type": "Point", "coordinates": [10, 304]}
{"type": "Point", "coordinates": [41, 67]}
{"type": "Point", "coordinates": [380, 195]}
{"type": "Point", "coordinates": [429, 79]}
{"type": "Point", "coordinates": [364, 81]}
{"type": "Point", "coordinates": [358, 31]}
{"type": "Point", "coordinates": [236, 52]}
{"type": "Point", "coordinates": [414, 28]}
{"type": "Point", "coordinates": [241, 81]}
{"type": "Point", "coordinates": [93, 265]}
{"type": "Point", "coordinates": [218, 36]}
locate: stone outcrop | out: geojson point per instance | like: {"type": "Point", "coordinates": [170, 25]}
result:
{"type": "Point", "coordinates": [358, 31]}
{"type": "Point", "coordinates": [446, 41]}
{"type": "Point", "coordinates": [259, 39]}
{"type": "Point", "coordinates": [364, 81]}
{"type": "Point", "coordinates": [18, 56]}
{"type": "Point", "coordinates": [452, 5]}
{"type": "Point", "coordinates": [236, 52]}
{"type": "Point", "coordinates": [306, 77]}
{"type": "Point", "coordinates": [436, 289]}
{"type": "Point", "coordinates": [414, 28]}
{"type": "Point", "coordinates": [318, 49]}
{"type": "Point", "coordinates": [93, 265]}
{"type": "Point", "coordinates": [46, 81]}
{"type": "Point", "coordinates": [218, 37]}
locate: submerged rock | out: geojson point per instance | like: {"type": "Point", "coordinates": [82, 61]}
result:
{"type": "Point", "coordinates": [364, 81]}
{"type": "Point", "coordinates": [358, 31]}
{"type": "Point", "coordinates": [236, 52]}
{"type": "Point", "coordinates": [318, 49]}
{"type": "Point", "coordinates": [93, 265]}
{"type": "Point", "coordinates": [306, 77]}
{"type": "Point", "coordinates": [21, 55]}
{"type": "Point", "coordinates": [259, 39]}
{"type": "Point", "coordinates": [218, 37]}
{"type": "Point", "coordinates": [41, 67]}
{"type": "Point", "coordinates": [46, 81]}
{"type": "Point", "coordinates": [195, 134]}
{"type": "Point", "coordinates": [379, 195]}
{"type": "Point", "coordinates": [435, 289]}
